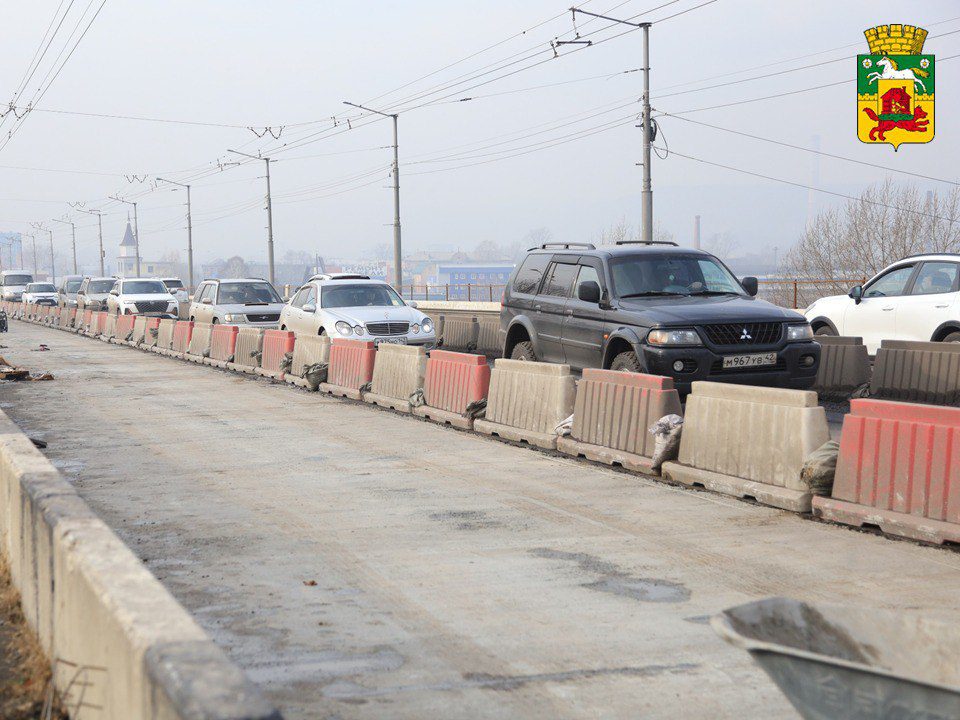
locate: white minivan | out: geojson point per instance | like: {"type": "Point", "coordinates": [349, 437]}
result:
{"type": "Point", "coordinates": [13, 283]}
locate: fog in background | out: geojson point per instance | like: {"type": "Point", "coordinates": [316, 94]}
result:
{"type": "Point", "coordinates": [286, 63]}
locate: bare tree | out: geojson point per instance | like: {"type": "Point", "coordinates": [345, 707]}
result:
{"type": "Point", "coordinates": [622, 231]}
{"type": "Point", "coordinates": [487, 251]}
{"type": "Point", "coordinates": [538, 236]}
{"type": "Point", "coordinates": [889, 221]}
{"type": "Point", "coordinates": [723, 245]}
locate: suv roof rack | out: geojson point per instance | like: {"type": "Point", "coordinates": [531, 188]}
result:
{"type": "Point", "coordinates": [647, 242]}
{"type": "Point", "coordinates": [564, 245]}
{"type": "Point", "coordinates": [926, 254]}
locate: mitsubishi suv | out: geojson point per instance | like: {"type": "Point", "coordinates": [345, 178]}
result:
{"type": "Point", "coordinates": [252, 301]}
{"type": "Point", "coordinates": [652, 308]}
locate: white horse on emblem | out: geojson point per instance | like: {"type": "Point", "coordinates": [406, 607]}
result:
{"type": "Point", "coordinates": [890, 72]}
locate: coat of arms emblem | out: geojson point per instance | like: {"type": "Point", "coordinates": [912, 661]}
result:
{"type": "Point", "coordinates": [895, 87]}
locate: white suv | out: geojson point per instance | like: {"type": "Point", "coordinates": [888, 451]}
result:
{"type": "Point", "coordinates": [917, 298]}
{"type": "Point", "coordinates": [142, 296]}
{"type": "Point", "coordinates": [360, 309]}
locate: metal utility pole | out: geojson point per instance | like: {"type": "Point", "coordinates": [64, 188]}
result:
{"type": "Point", "coordinates": [21, 252]}
{"type": "Point", "coordinates": [397, 257]}
{"type": "Point", "coordinates": [269, 210]}
{"type": "Point", "coordinates": [34, 238]}
{"type": "Point", "coordinates": [190, 234]}
{"type": "Point", "coordinates": [53, 268]}
{"type": "Point", "coordinates": [696, 232]}
{"type": "Point", "coordinates": [73, 229]}
{"type": "Point", "coordinates": [649, 129]}
{"type": "Point", "coordinates": [100, 230]}
{"type": "Point", "coordinates": [136, 228]}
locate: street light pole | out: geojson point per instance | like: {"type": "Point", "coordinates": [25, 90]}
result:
{"type": "Point", "coordinates": [189, 233]}
{"type": "Point", "coordinates": [35, 270]}
{"type": "Point", "coordinates": [269, 210]}
{"type": "Point", "coordinates": [397, 254]}
{"type": "Point", "coordinates": [73, 229]}
{"type": "Point", "coordinates": [100, 230]}
{"type": "Point", "coordinates": [136, 228]}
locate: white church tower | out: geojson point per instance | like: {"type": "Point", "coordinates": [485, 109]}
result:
{"type": "Point", "coordinates": [127, 259]}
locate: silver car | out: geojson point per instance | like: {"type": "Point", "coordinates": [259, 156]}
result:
{"type": "Point", "coordinates": [93, 292]}
{"type": "Point", "coordinates": [67, 290]}
{"type": "Point", "coordinates": [241, 301]}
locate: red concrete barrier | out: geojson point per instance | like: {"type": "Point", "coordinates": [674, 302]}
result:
{"type": "Point", "coordinates": [452, 382]}
{"type": "Point", "coordinates": [87, 323]}
{"type": "Point", "coordinates": [898, 469]}
{"type": "Point", "coordinates": [101, 322]}
{"type": "Point", "coordinates": [223, 343]}
{"type": "Point", "coordinates": [124, 328]}
{"type": "Point", "coordinates": [350, 368]}
{"type": "Point", "coordinates": [276, 344]}
{"type": "Point", "coordinates": [182, 333]}
{"type": "Point", "coordinates": [150, 332]}
{"type": "Point", "coordinates": [71, 318]}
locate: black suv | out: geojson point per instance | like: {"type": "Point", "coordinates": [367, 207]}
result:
{"type": "Point", "coordinates": [653, 308]}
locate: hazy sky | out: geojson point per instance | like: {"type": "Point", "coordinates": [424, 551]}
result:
{"type": "Point", "coordinates": [286, 63]}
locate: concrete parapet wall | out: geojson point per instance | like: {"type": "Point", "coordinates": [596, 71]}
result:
{"type": "Point", "coordinates": [397, 374]}
{"type": "Point", "coordinates": [844, 365]}
{"type": "Point", "coordinates": [527, 401]}
{"type": "Point", "coordinates": [115, 636]}
{"type": "Point", "coordinates": [750, 441]}
{"type": "Point", "coordinates": [924, 372]}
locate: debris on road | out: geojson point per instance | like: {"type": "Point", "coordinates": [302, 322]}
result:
{"type": "Point", "coordinates": [11, 372]}
{"type": "Point", "coordinates": [38, 443]}
{"type": "Point", "coordinates": [310, 583]}
{"type": "Point", "coordinates": [666, 433]}
{"type": "Point", "coordinates": [42, 348]}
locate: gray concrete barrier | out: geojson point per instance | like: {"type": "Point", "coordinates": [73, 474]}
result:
{"type": "Point", "coordinates": [139, 330]}
{"type": "Point", "coordinates": [613, 414]}
{"type": "Point", "coordinates": [246, 356]}
{"type": "Point", "coordinates": [199, 342]}
{"type": "Point", "coordinates": [459, 332]}
{"type": "Point", "coordinates": [114, 635]}
{"type": "Point", "coordinates": [397, 375]}
{"type": "Point", "coordinates": [844, 365]}
{"type": "Point", "coordinates": [488, 336]}
{"type": "Point", "coordinates": [527, 401]}
{"type": "Point", "coordinates": [165, 334]}
{"type": "Point", "coordinates": [924, 372]}
{"type": "Point", "coordinates": [308, 351]}
{"type": "Point", "coordinates": [750, 442]}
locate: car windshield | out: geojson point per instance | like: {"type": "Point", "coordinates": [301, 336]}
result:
{"type": "Point", "coordinates": [17, 279]}
{"type": "Point", "coordinates": [655, 275]}
{"type": "Point", "coordinates": [173, 284]}
{"type": "Point", "coordinates": [40, 287]}
{"type": "Point", "coordinates": [100, 286]}
{"type": "Point", "coordinates": [144, 287]}
{"type": "Point", "coordinates": [73, 285]}
{"type": "Point", "coordinates": [367, 294]}
{"type": "Point", "coordinates": [247, 293]}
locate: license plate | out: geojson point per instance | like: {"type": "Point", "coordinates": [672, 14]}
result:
{"type": "Point", "coordinates": [744, 361]}
{"type": "Point", "coordinates": [391, 341]}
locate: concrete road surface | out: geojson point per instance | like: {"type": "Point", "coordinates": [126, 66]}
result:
{"type": "Point", "coordinates": [361, 564]}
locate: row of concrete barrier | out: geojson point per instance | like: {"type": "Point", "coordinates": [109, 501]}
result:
{"type": "Point", "coordinates": [898, 468]}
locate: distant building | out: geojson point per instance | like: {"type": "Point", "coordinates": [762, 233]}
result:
{"type": "Point", "coordinates": [487, 275]}
{"type": "Point", "coordinates": [127, 259]}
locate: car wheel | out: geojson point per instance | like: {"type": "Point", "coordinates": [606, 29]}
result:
{"type": "Point", "coordinates": [322, 332]}
{"type": "Point", "coordinates": [825, 331]}
{"type": "Point", "coordinates": [524, 351]}
{"type": "Point", "coordinates": [283, 327]}
{"type": "Point", "coordinates": [953, 337]}
{"type": "Point", "coordinates": [627, 362]}
{"type": "Point", "coordinates": [215, 322]}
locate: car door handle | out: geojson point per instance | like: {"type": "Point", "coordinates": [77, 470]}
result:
{"type": "Point", "coordinates": [568, 312]}
{"type": "Point", "coordinates": [887, 308]}
{"type": "Point", "coordinates": [942, 306]}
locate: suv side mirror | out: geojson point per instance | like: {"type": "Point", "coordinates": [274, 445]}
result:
{"type": "Point", "coordinates": [589, 291]}
{"type": "Point", "coordinates": [310, 308]}
{"type": "Point", "coordinates": [856, 293]}
{"type": "Point", "coordinates": [412, 303]}
{"type": "Point", "coordinates": [207, 301]}
{"type": "Point", "coordinates": [751, 286]}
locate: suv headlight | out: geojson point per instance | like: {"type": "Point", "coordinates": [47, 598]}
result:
{"type": "Point", "coordinates": [799, 332]}
{"type": "Point", "coordinates": [344, 328]}
{"type": "Point", "coordinates": [234, 318]}
{"type": "Point", "coordinates": [427, 326]}
{"type": "Point", "coordinates": [673, 337]}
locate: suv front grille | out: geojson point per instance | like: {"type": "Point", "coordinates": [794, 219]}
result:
{"type": "Point", "coordinates": [152, 306]}
{"type": "Point", "coordinates": [734, 334]}
{"type": "Point", "coordinates": [263, 317]}
{"type": "Point", "coordinates": [388, 328]}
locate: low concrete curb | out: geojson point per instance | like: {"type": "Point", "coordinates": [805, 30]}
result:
{"type": "Point", "coordinates": [112, 631]}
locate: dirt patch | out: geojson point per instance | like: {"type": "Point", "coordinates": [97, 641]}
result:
{"type": "Point", "coordinates": [25, 691]}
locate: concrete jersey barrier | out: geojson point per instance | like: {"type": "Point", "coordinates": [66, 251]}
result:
{"type": "Point", "coordinates": [108, 325]}
{"type": "Point", "coordinates": [223, 344]}
{"type": "Point", "coordinates": [139, 329]}
{"type": "Point", "coordinates": [923, 372]}
{"type": "Point", "coordinates": [277, 351]}
{"type": "Point", "coordinates": [527, 401]}
{"type": "Point", "coordinates": [165, 334]}
{"type": "Point", "coordinates": [459, 332]}
{"type": "Point", "coordinates": [119, 639]}
{"type": "Point", "coordinates": [351, 367]}
{"type": "Point", "coordinates": [199, 346]}
{"type": "Point", "coordinates": [246, 356]}
{"type": "Point", "coordinates": [454, 382]}
{"type": "Point", "coordinates": [309, 350]}
{"type": "Point", "coordinates": [844, 365]}
{"type": "Point", "coordinates": [750, 442]}
{"type": "Point", "coordinates": [613, 414]}
{"type": "Point", "coordinates": [397, 376]}
{"type": "Point", "coordinates": [898, 470]}
{"type": "Point", "coordinates": [124, 327]}
{"type": "Point", "coordinates": [182, 332]}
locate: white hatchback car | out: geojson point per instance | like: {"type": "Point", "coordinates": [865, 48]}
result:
{"type": "Point", "coordinates": [917, 298]}
{"type": "Point", "coordinates": [360, 309]}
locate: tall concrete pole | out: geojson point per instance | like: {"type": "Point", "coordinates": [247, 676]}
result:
{"type": "Point", "coordinates": [189, 233]}
{"type": "Point", "coordinates": [53, 268]}
{"type": "Point", "coordinates": [397, 248]}
{"type": "Point", "coordinates": [36, 270]}
{"type": "Point", "coordinates": [21, 251]}
{"type": "Point", "coordinates": [646, 193]}
{"type": "Point", "coordinates": [269, 211]}
{"type": "Point", "coordinates": [73, 229]}
{"type": "Point", "coordinates": [696, 232]}
{"type": "Point", "coordinates": [99, 229]}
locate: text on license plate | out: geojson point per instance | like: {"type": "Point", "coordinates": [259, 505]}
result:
{"type": "Point", "coordinates": [391, 341]}
{"type": "Point", "coordinates": [742, 361]}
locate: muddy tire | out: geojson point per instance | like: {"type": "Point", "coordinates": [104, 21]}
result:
{"type": "Point", "coordinates": [825, 331]}
{"type": "Point", "coordinates": [524, 351]}
{"type": "Point", "coordinates": [627, 362]}
{"type": "Point", "coordinates": [953, 337]}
